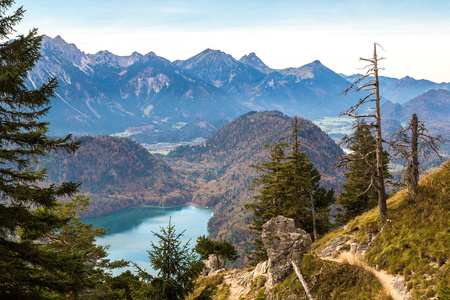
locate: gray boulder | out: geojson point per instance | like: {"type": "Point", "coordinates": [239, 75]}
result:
{"type": "Point", "coordinates": [333, 247]}
{"type": "Point", "coordinates": [213, 265]}
{"type": "Point", "coordinates": [284, 243]}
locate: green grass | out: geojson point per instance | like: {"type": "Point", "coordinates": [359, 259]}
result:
{"type": "Point", "coordinates": [222, 289]}
{"type": "Point", "coordinates": [162, 152]}
{"type": "Point", "coordinates": [415, 244]}
{"type": "Point", "coordinates": [330, 280]}
{"type": "Point", "coordinates": [416, 241]}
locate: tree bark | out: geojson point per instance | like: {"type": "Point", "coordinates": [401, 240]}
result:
{"type": "Point", "coordinates": [313, 214]}
{"type": "Point", "coordinates": [380, 174]}
{"type": "Point", "coordinates": [414, 159]}
{"type": "Point", "coordinates": [302, 280]}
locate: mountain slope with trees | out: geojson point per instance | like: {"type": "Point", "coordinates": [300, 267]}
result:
{"type": "Point", "coordinates": [222, 168]}
{"type": "Point", "coordinates": [118, 173]}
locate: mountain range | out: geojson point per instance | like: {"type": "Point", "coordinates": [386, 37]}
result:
{"type": "Point", "coordinates": [432, 108]}
{"type": "Point", "coordinates": [104, 93]}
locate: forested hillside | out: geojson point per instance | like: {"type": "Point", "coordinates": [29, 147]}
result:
{"type": "Point", "coordinates": [222, 168]}
{"type": "Point", "coordinates": [117, 173]}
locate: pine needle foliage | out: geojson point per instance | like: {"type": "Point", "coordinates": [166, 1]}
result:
{"type": "Point", "coordinates": [178, 266]}
{"type": "Point", "coordinates": [23, 264]}
{"type": "Point", "coordinates": [360, 193]}
{"type": "Point", "coordinates": [289, 185]}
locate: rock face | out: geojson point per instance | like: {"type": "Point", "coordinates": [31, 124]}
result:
{"type": "Point", "coordinates": [284, 243]}
{"type": "Point", "coordinates": [398, 284]}
{"type": "Point", "coordinates": [332, 248]}
{"type": "Point", "coordinates": [213, 265]}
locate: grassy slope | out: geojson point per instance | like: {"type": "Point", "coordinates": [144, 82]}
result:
{"type": "Point", "coordinates": [415, 244]}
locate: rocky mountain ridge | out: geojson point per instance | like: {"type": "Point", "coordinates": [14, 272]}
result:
{"type": "Point", "coordinates": [104, 93]}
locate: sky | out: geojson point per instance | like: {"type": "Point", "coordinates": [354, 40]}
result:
{"type": "Point", "coordinates": [414, 35]}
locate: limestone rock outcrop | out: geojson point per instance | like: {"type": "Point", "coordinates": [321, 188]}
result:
{"type": "Point", "coordinates": [284, 243]}
{"type": "Point", "coordinates": [213, 265]}
{"type": "Point", "coordinates": [333, 247]}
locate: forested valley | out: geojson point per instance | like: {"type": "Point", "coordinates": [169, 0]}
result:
{"type": "Point", "coordinates": [258, 171]}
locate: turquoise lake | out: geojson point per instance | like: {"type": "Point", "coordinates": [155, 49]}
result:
{"type": "Point", "coordinates": [130, 230]}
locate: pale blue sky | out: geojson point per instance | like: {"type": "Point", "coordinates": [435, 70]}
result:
{"type": "Point", "coordinates": [283, 33]}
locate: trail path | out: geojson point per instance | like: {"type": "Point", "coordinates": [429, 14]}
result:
{"type": "Point", "coordinates": [234, 280]}
{"type": "Point", "coordinates": [391, 284]}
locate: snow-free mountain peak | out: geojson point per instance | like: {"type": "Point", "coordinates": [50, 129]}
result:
{"type": "Point", "coordinates": [208, 56]}
{"type": "Point", "coordinates": [221, 70]}
{"type": "Point", "coordinates": [255, 62]}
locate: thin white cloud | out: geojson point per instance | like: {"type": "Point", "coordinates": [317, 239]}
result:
{"type": "Point", "coordinates": [285, 33]}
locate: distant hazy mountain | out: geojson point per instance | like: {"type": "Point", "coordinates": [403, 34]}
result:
{"type": "Point", "coordinates": [103, 93]}
{"type": "Point", "coordinates": [255, 62]}
{"type": "Point", "coordinates": [433, 107]}
{"type": "Point", "coordinates": [222, 71]}
{"type": "Point", "coordinates": [402, 90]}
{"type": "Point", "coordinates": [408, 88]}
{"type": "Point", "coordinates": [299, 91]}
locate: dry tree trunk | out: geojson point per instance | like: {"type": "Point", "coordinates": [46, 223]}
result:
{"type": "Point", "coordinates": [313, 215]}
{"type": "Point", "coordinates": [414, 159]}
{"type": "Point", "coordinates": [380, 174]}
{"type": "Point", "coordinates": [373, 86]}
{"type": "Point", "coordinates": [302, 280]}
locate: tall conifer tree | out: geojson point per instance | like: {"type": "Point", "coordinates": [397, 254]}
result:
{"type": "Point", "coordinates": [289, 185]}
{"type": "Point", "coordinates": [360, 193]}
{"type": "Point", "coordinates": [23, 264]}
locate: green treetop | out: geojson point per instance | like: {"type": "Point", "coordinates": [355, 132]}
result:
{"type": "Point", "coordinates": [289, 185]}
{"type": "Point", "coordinates": [178, 267]}
{"type": "Point", "coordinates": [223, 249]}
{"type": "Point", "coordinates": [360, 193]}
{"type": "Point", "coordinates": [23, 139]}
{"type": "Point", "coordinates": [86, 266]}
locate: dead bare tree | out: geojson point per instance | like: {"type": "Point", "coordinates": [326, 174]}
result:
{"type": "Point", "coordinates": [373, 87]}
{"type": "Point", "coordinates": [407, 144]}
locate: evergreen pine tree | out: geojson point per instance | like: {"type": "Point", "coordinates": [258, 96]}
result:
{"type": "Point", "coordinates": [223, 249]}
{"type": "Point", "coordinates": [360, 193]}
{"type": "Point", "coordinates": [23, 263]}
{"type": "Point", "coordinates": [178, 266]}
{"type": "Point", "coordinates": [271, 196]}
{"type": "Point", "coordinates": [86, 266]}
{"type": "Point", "coordinates": [289, 185]}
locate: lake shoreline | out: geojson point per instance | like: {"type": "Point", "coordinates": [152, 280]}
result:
{"type": "Point", "coordinates": [131, 231]}
{"type": "Point", "coordinates": [154, 206]}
